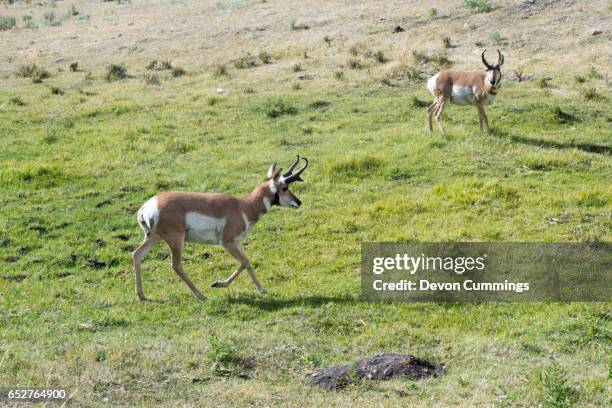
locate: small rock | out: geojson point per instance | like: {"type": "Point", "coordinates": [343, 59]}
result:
{"type": "Point", "coordinates": [398, 29]}
{"type": "Point", "coordinates": [220, 90]}
{"type": "Point", "coordinates": [597, 32]}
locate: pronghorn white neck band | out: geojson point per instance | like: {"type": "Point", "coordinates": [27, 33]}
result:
{"type": "Point", "coordinates": [272, 186]}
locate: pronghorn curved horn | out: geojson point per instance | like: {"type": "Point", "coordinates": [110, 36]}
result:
{"type": "Point", "coordinates": [484, 61]}
{"type": "Point", "coordinates": [500, 60]}
{"type": "Point", "coordinates": [296, 176]}
{"type": "Point", "coordinates": [290, 169]}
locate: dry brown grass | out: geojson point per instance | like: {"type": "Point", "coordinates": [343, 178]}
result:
{"type": "Point", "coordinates": [335, 34]}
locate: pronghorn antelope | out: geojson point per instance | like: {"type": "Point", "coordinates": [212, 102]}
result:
{"type": "Point", "coordinates": [465, 88]}
{"type": "Point", "coordinates": [211, 218]}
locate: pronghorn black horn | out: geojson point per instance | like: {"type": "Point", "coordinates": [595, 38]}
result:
{"type": "Point", "coordinates": [500, 60]}
{"type": "Point", "coordinates": [484, 61]}
{"type": "Point", "coordinates": [290, 169]}
{"type": "Point", "coordinates": [296, 176]}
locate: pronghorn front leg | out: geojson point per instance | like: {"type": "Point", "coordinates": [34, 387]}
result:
{"type": "Point", "coordinates": [176, 247]}
{"type": "Point", "coordinates": [234, 249]}
{"type": "Point", "coordinates": [480, 119]}
{"type": "Point", "coordinates": [483, 118]}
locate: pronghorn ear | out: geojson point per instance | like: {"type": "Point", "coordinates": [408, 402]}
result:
{"type": "Point", "coordinates": [273, 171]}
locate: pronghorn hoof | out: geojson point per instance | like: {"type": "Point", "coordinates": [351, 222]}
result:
{"type": "Point", "coordinates": [218, 284]}
{"type": "Point", "coordinates": [142, 297]}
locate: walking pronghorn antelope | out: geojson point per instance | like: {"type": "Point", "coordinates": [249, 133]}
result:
{"type": "Point", "coordinates": [465, 88]}
{"type": "Point", "coordinates": [211, 218]}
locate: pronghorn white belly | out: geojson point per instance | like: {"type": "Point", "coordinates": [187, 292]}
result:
{"type": "Point", "coordinates": [462, 95]}
{"type": "Point", "coordinates": [204, 229]}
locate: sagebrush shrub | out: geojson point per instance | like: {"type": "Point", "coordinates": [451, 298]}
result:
{"type": "Point", "coordinates": [265, 57]}
{"type": "Point", "coordinates": [245, 61]}
{"type": "Point", "coordinates": [115, 72]}
{"type": "Point", "coordinates": [177, 72]}
{"type": "Point", "coordinates": [478, 6]}
{"type": "Point", "coordinates": [219, 70]}
{"type": "Point", "coordinates": [151, 79]}
{"type": "Point", "coordinates": [278, 107]}
{"type": "Point", "coordinates": [354, 63]}
{"type": "Point", "coordinates": [7, 23]}
{"type": "Point", "coordinates": [38, 74]}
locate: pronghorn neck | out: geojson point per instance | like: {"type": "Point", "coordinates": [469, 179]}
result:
{"type": "Point", "coordinates": [260, 200]}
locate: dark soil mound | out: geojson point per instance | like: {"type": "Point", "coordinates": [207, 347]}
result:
{"type": "Point", "coordinates": [380, 367]}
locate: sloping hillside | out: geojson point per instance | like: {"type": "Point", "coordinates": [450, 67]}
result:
{"type": "Point", "coordinates": [544, 36]}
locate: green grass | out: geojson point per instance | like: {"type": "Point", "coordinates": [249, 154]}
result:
{"type": "Point", "coordinates": [76, 167]}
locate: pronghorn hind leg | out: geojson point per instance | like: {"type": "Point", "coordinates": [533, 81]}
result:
{"type": "Point", "coordinates": [176, 243]}
{"type": "Point", "coordinates": [438, 114]}
{"type": "Point", "coordinates": [430, 112]}
{"type": "Point", "coordinates": [234, 249]}
{"type": "Point", "coordinates": [140, 252]}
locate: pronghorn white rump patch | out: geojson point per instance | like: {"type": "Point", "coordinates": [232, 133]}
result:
{"type": "Point", "coordinates": [266, 202]}
{"type": "Point", "coordinates": [149, 214]}
{"type": "Point", "coordinates": [463, 95]}
{"type": "Point", "coordinates": [431, 83]}
{"type": "Point", "coordinates": [204, 229]}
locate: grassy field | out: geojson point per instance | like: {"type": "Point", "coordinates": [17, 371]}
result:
{"type": "Point", "coordinates": [81, 154]}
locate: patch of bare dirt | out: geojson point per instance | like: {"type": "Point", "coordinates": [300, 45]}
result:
{"type": "Point", "coordinates": [380, 367]}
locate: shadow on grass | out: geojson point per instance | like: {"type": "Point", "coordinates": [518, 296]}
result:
{"type": "Point", "coordinates": [549, 144]}
{"type": "Point", "coordinates": [271, 303]}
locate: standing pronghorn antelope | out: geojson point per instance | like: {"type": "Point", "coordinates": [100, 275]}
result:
{"type": "Point", "coordinates": [211, 218]}
{"type": "Point", "coordinates": [465, 88]}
